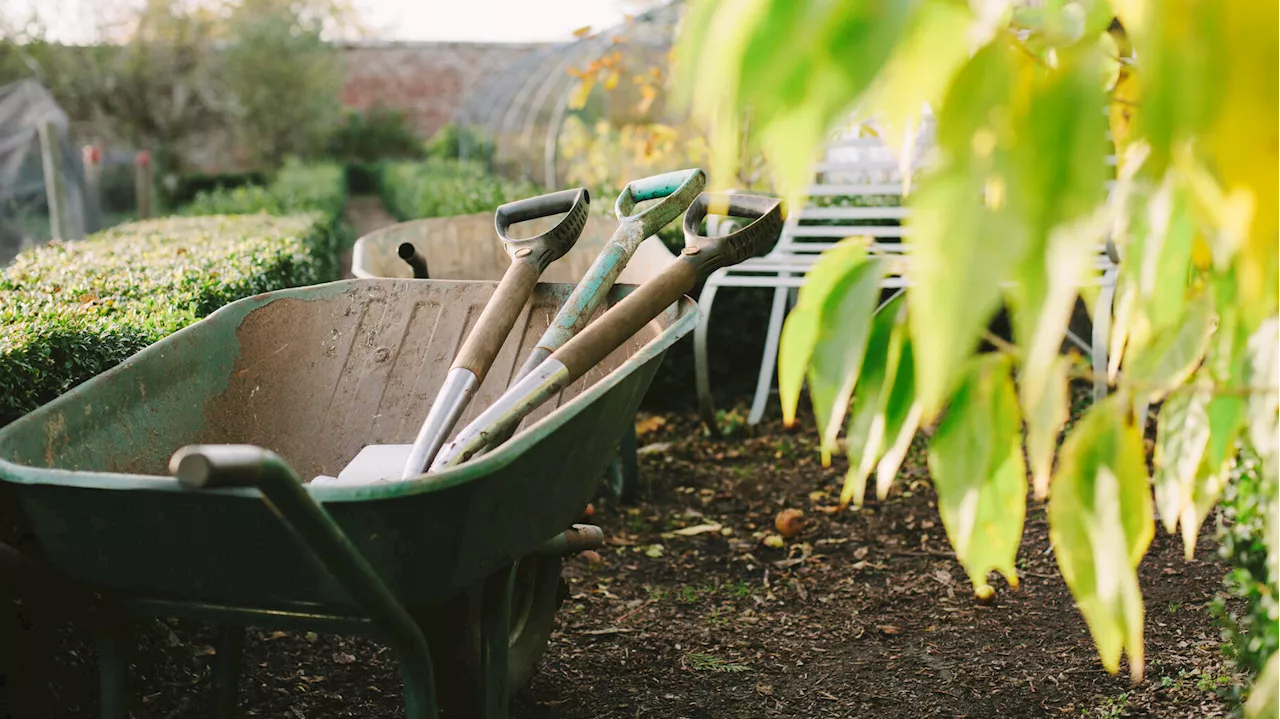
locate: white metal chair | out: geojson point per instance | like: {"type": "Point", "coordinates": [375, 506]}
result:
{"type": "Point", "coordinates": [855, 168]}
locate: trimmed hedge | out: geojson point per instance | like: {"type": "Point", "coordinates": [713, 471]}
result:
{"type": "Point", "coordinates": [69, 311]}
{"type": "Point", "coordinates": [194, 184]}
{"type": "Point", "coordinates": [296, 189]}
{"type": "Point", "coordinates": [442, 188]}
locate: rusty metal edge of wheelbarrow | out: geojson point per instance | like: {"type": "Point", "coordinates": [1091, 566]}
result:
{"type": "Point", "coordinates": [686, 319]}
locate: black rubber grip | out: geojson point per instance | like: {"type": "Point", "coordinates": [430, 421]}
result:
{"type": "Point", "coordinates": [757, 238]}
{"type": "Point", "coordinates": [554, 243]}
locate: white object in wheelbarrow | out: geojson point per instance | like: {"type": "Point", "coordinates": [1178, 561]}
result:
{"type": "Point", "coordinates": [374, 463]}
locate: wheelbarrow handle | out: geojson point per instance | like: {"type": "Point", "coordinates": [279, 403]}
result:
{"type": "Point", "coordinates": [201, 466]}
{"type": "Point", "coordinates": [410, 255]}
{"type": "Point", "coordinates": [212, 466]}
{"type": "Point", "coordinates": [554, 243]}
{"type": "Point", "coordinates": [679, 188]}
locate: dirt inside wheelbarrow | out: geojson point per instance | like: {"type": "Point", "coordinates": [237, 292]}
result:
{"type": "Point", "coordinates": [686, 613]}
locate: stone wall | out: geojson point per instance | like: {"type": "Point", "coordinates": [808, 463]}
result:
{"type": "Point", "coordinates": [429, 81]}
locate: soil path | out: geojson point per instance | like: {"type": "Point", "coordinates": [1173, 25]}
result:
{"type": "Point", "coordinates": [365, 214]}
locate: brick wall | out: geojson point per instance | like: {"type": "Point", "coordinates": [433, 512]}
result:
{"type": "Point", "coordinates": [429, 81]}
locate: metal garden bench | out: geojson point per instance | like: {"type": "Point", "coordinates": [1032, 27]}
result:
{"type": "Point", "coordinates": [862, 175]}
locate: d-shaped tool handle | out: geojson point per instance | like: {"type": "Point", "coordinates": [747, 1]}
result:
{"type": "Point", "coordinates": [757, 238]}
{"type": "Point", "coordinates": [554, 243]}
{"type": "Point", "coordinates": [678, 188]}
{"type": "Point", "coordinates": [700, 257]}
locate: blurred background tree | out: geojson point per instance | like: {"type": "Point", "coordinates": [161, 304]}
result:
{"type": "Point", "coordinates": [162, 71]}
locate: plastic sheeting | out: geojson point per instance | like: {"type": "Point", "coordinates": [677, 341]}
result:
{"type": "Point", "coordinates": [24, 210]}
{"type": "Point", "coordinates": [522, 108]}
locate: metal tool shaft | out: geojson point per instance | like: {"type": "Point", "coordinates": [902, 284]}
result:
{"type": "Point", "coordinates": [452, 400]}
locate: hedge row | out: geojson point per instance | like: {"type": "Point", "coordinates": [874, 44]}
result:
{"type": "Point", "coordinates": [442, 188]}
{"type": "Point", "coordinates": [69, 311]}
{"type": "Point", "coordinates": [296, 189]}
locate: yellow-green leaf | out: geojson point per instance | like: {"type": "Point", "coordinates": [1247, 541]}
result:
{"type": "Point", "coordinates": [902, 416]}
{"type": "Point", "coordinates": [1182, 436]}
{"type": "Point", "coordinates": [1263, 701]}
{"type": "Point", "coordinates": [975, 459]}
{"type": "Point", "coordinates": [918, 74]}
{"type": "Point", "coordinates": [1173, 353]}
{"type": "Point", "coordinates": [800, 332]}
{"type": "Point", "coordinates": [1181, 54]}
{"type": "Point", "coordinates": [1045, 415]}
{"type": "Point", "coordinates": [1262, 375]}
{"type": "Point", "coordinates": [864, 435]}
{"type": "Point", "coordinates": [843, 326]}
{"type": "Point", "coordinates": [959, 262]}
{"type": "Point", "coordinates": [1100, 525]}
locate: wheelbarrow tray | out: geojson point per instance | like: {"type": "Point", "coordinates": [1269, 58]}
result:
{"type": "Point", "coordinates": [314, 374]}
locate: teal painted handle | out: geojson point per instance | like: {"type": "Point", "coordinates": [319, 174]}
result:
{"type": "Point", "coordinates": [679, 188]}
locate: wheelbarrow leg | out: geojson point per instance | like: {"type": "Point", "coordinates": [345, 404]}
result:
{"type": "Point", "coordinates": [495, 637]}
{"type": "Point", "coordinates": [226, 670]}
{"type": "Point", "coordinates": [629, 465]}
{"type": "Point", "coordinates": [419, 687]}
{"type": "Point", "coordinates": [617, 483]}
{"type": "Point", "coordinates": [113, 673]}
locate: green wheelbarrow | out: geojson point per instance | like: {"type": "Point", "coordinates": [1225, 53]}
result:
{"type": "Point", "coordinates": [460, 567]}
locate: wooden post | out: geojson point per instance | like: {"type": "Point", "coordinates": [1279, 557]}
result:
{"type": "Point", "coordinates": [143, 183]}
{"type": "Point", "coordinates": [55, 185]}
{"type": "Point", "coordinates": [93, 178]}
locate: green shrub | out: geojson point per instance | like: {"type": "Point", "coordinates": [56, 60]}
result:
{"type": "Point", "coordinates": [442, 188]}
{"type": "Point", "coordinates": [296, 189]}
{"type": "Point", "coordinates": [1251, 635]}
{"type": "Point", "coordinates": [191, 185]}
{"type": "Point", "coordinates": [376, 134]}
{"type": "Point", "coordinates": [454, 142]}
{"type": "Point", "coordinates": [69, 311]}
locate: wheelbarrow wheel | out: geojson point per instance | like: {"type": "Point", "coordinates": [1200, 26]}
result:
{"type": "Point", "coordinates": [538, 592]}
{"type": "Point", "coordinates": [535, 599]}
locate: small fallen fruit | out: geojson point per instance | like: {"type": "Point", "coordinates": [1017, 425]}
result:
{"type": "Point", "coordinates": [773, 541]}
{"type": "Point", "coordinates": [789, 522]}
{"type": "Point", "coordinates": [593, 557]}
{"type": "Point", "coordinates": [589, 511]}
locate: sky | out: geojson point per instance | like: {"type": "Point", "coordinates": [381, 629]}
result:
{"type": "Point", "coordinates": [438, 20]}
{"type": "Point", "coordinates": [488, 20]}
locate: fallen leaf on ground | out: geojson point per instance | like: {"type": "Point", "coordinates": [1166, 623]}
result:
{"type": "Point", "coordinates": [650, 424]}
{"type": "Point", "coordinates": [694, 530]}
